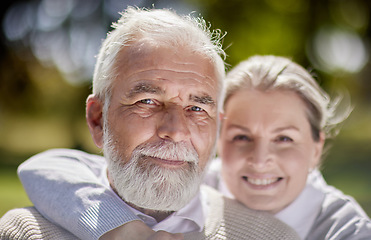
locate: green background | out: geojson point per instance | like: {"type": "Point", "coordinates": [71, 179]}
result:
{"type": "Point", "coordinates": [42, 101]}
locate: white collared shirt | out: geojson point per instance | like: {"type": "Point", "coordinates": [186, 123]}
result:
{"type": "Point", "coordinates": [190, 218]}
{"type": "Point", "coordinates": [302, 212]}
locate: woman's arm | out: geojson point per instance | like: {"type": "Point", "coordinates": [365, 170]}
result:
{"type": "Point", "coordinates": [68, 188]}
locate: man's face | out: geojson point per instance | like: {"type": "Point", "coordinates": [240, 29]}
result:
{"type": "Point", "coordinates": [162, 99]}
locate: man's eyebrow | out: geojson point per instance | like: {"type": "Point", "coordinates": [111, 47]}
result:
{"type": "Point", "coordinates": [204, 99]}
{"type": "Point", "coordinates": [144, 88]}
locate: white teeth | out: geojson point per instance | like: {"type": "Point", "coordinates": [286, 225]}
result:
{"type": "Point", "coordinates": [262, 182]}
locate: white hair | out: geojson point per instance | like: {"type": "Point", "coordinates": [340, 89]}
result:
{"type": "Point", "coordinates": [158, 27]}
{"type": "Point", "coordinates": [267, 73]}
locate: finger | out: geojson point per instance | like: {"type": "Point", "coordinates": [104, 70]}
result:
{"type": "Point", "coordinates": [162, 235]}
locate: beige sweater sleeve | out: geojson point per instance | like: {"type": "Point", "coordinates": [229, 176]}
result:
{"type": "Point", "coordinates": [229, 219]}
{"type": "Point", "coordinates": [28, 223]}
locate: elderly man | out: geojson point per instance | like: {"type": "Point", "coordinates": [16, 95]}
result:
{"type": "Point", "coordinates": [157, 89]}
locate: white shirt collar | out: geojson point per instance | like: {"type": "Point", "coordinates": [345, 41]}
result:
{"type": "Point", "coordinates": [190, 218]}
{"type": "Point", "coordinates": [302, 212]}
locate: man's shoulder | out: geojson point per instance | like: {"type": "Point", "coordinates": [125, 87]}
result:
{"type": "Point", "coordinates": [229, 219]}
{"type": "Point", "coordinates": [28, 223]}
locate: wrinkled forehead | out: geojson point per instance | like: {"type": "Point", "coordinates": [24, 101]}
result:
{"type": "Point", "coordinates": [142, 61]}
{"type": "Point", "coordinates": [153, 53]}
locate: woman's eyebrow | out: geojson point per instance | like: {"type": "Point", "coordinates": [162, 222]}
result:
{"type": "Point", "coordinates": [290, 127]}
{"type": "Point", "coordinates": [236, 126]}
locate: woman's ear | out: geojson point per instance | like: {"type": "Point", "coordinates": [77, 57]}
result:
{"type": "Point", "coordinates": [221, 116]}
{"type": "Point", "coordinates": [94, 118]}
{"type": "Point", "coordinates": [218, 141]}
{"type": "Point", "coordinates": [221, 120]}
{"type": "Point", "coordinates": [318, 149]}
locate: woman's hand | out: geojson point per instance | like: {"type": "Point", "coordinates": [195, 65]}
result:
{"type": "Point", "coordinates": [137, 230]}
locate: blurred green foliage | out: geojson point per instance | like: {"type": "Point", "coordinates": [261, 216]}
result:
{"type": "Point", "coordinates": [12, 193]}
{"type": "Point", "coordinates": [39, 109]}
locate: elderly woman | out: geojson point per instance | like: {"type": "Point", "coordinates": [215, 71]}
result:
{"type": "Point", "coordinates": [275, 122]}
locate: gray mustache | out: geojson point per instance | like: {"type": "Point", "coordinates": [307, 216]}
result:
{"type": "Point", "coordinates": [168, 150]}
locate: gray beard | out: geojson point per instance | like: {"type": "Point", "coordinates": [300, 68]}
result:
{"type": "Point", "coordinates": [148, 185]}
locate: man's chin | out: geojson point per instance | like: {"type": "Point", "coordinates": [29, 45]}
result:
{"type": "Point", "coordinates": [154, 183]}
{"type": "Point", "coordinates": [161, 189]}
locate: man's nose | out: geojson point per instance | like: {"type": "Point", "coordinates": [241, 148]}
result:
{"type": "Point", "coordinates": [174, 124]}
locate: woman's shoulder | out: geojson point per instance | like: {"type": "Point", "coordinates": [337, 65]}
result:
{"type": "Point", "coordinates": [340, 217]}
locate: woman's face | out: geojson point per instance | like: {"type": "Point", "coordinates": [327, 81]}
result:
{"type": "Point", "coordinates": [267, 148]}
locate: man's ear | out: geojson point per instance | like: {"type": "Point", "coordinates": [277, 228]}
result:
{"type": "Point", "coordinates": [94, 118]}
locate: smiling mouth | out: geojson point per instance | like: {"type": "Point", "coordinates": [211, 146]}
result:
{"type": "Point", "coordinates": [262, 181]}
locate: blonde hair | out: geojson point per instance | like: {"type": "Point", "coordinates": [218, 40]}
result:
{"type": "Point", "coordinates": [267, 73]}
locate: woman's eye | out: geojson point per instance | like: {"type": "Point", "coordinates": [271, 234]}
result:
{"type": "Point", "coordinates": [196, 109]}
{"type": "Point", "coordinates": [241, 138]}
{"type": "Point", "coordinates": [284, 139]}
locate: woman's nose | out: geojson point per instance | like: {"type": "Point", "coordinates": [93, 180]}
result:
{"type": "Point", "coordinates": [259, 154]}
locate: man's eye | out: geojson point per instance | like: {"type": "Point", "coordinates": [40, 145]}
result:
{"type": "Point", "coordinates": [147, 101]}
{"type": "Point", "coordinates": [196, 109]}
